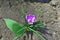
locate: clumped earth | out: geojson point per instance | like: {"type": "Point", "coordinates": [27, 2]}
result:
{"type": "Point", "coordinates": [50, 13]}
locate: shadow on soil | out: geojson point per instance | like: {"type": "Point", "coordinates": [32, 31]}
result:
{"type": "Point", "coordinates": [42, 1]}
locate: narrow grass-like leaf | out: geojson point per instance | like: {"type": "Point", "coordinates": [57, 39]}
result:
{"type": "Point", "coordinates": [38, 34]}
{"type": "Point", "coordinates": [15, 38]}
{"type": "Point", "coordinates": [39, 24]}
{"type": "Point", "coordinates": [14, 26]}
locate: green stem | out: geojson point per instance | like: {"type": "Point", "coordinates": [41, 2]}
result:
{"type": "Point", "coordinates": [36, 32]}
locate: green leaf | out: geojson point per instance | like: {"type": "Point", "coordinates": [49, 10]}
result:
{"type": "Point", "coordinates": [15, 38]}
{"type": "Point", "coordinates": [37, 33]}
{"type": "Point", "coordinates": [14, 26]}
{"type": "Point", "coordinates": [26, 24]}
{"type": "Point", "coordinates": [39, 24]}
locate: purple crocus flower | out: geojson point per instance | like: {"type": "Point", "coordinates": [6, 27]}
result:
{"type": "Point", "coordinates": [30, 18]}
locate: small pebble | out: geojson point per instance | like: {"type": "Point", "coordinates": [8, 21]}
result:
{"type": "Point", "coordinates": [54, 33]}
{"type": "Point", "coordinates": [53, 3]}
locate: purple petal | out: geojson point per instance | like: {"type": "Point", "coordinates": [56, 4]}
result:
{"type": "Point", "coordinates": [30, 18]}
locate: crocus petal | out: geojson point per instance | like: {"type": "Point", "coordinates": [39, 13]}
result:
{"type": "Point", "coordinates": [30, 18]}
